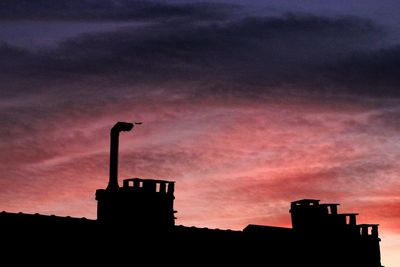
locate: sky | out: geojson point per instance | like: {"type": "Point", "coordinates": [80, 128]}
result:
{"type": "Point", "coordinates": [247, 105]}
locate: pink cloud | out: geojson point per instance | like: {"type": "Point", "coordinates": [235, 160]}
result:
{"type": "Point", "coordinates": [235, 163]}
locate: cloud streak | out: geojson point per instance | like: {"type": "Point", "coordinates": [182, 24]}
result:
{"type": "Point", "coordinates": [291, 51]}
{"type": "Point", "coordinates": [103, 10]}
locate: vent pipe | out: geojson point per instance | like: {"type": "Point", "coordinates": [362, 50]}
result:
{"type": "Point", "coordinates": [114, 141]}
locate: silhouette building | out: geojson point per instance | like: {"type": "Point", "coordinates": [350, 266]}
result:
{"type": "Point", "coordinates": [140, 215]}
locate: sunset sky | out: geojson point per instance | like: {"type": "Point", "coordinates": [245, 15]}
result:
{"type": "Point", "coordinates": [247, 105]}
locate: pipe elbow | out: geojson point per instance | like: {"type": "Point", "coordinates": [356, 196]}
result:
{"type": "Point", "coordinates": [122, 127]}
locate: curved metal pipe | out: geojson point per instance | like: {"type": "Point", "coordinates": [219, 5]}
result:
{"type": "Point", "coordinates": [114, 143]}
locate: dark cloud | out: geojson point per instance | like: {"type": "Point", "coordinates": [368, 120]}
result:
{"type": "Point", "coordinates": [13, 58]}
{"type": "Point", "coordinates": [255, 53]}
{"type": "Point", "coordinates": [370, 72]}
{"type": "Point", "coordinates": [261, 44]}
{"type": "Point", "coordinates": [101, 10]}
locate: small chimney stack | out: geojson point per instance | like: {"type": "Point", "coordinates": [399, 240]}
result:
{"type": "Point", "coordinates": [114, 143]}
{"type": "Point", "coordinates": [144, 203]}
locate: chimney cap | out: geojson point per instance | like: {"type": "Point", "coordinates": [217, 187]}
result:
{"type": "Point", "coordinates": [306, 201]}
{"type": "Point", "coordinates": [149, 180]}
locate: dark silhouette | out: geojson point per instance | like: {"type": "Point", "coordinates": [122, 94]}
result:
{"type": "Point", "coordinates": [136, 223]}
{"type": "Point", "coordinates": [144, 203]}
{"type": "Point", "coordinates": [140, 203]}
{"type": "Point", "coordinates": [114, 144]}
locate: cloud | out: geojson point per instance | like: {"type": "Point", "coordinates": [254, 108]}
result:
{"type": "Point", "coordinates": [371, 73]}
{"type": "Point", "coordinates": [225, 157]}
{"type": "Point", "coordinates": [103, 10]}
{"type": "Point", "coordinates": [243, 57]}
{"type": "Point", "coordinates": [246, 114]}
